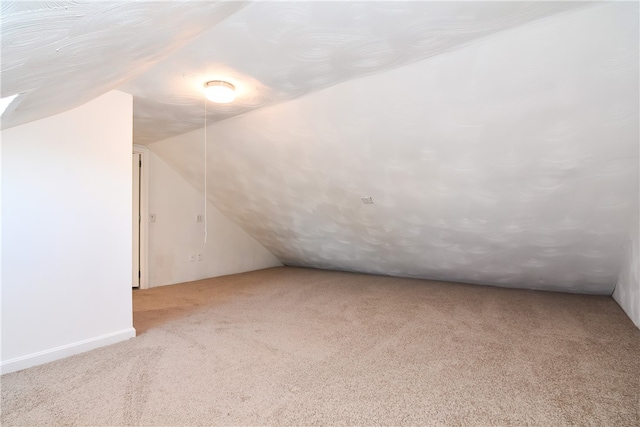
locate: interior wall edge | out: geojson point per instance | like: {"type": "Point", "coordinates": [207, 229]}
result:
{"type": "Point", "coordinates": [627, 290]}
{"type": "Point", "coordinates": [67, 206]}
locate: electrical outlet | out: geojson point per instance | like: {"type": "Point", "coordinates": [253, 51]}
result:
{"type": "Point", "coordinates": [199, 257]}
{"type": "Point", "coordinates": [199, 218]}
{"type": "Point", "coordinates": [152, 218]}
{"type": "Point", "coordinates": [192, 258]}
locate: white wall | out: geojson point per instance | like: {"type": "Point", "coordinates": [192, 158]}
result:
{"type": "Point", "coordinates": [66, 242]}
{"type": "Point", "coordinates": [512, 161]}
{"type": "Point", "coordinates": [176, 235]}
{"type": "Point", "coordinates": [627, 292]}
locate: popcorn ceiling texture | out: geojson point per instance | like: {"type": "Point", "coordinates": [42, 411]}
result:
{"type": "Point", "coordinates": [498, 140]}
{"type": "Point", "coordinates": [513, 161]}
{"type": "Point", "coordinates": [275, 51]}
{"type": "Point", "coordinates": [59, 55]}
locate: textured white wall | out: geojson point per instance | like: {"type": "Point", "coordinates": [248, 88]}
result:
{"type": "Point", "coordinates": [512, 161]}
{"type": "Point", "coordinates": [66, 221]}
{"type": "Point", "coordinates": [627, 292]}
{"type": "Point", "coordinates": [175, 235]}
{"type": "Point", "coordinates": [283, 50]}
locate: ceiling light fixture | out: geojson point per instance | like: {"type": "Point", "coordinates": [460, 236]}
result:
{"type": "Point", "coordinates": [219, 91]}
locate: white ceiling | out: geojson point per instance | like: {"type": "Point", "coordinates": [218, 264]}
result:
{"type": "Point", "coordinates": [60, 54]}
{"type": "Point", "coordinates": [511, 161]}
{"type": "Point", "coordinates": [499, 140]}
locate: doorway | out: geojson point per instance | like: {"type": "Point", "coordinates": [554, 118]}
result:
{"type": "Point", "coordinates": [139, 274]}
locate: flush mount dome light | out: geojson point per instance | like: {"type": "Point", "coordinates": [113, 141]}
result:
{"type": "Point", "coordinates": [219, 91]}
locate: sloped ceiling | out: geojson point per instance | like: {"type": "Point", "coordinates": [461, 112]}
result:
{"type": "Point", "coordinates": [58, 55]}
{"type": "Point", "coordinates": [498, 140]}
{"type": "Point", "coordinates": [61, 54]}
{"type": "Point", "coordinates": [513, 161]}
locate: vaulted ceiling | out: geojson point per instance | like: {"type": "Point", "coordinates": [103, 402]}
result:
{"type": "Point", "coordinates": [60, 54]}
{"type": "Point", "coordinates": [497, 140]}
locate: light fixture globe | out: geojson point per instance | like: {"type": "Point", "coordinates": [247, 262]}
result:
{"type": "Point", "coordinates": [219, 91]}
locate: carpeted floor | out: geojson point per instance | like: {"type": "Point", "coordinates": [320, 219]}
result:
{"type": "Point", "coordinates": [291, 346]}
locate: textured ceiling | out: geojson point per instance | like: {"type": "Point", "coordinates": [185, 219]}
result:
{"type": "Point", "coordinates": [61, 54]}
{"type": "Point", "coordinates": [513, 161]}
{"type": "Point", "coordinates": [498, 140]}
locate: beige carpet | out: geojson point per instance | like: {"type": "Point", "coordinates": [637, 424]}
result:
{"type": "Point", "coordinates": [289, 346]}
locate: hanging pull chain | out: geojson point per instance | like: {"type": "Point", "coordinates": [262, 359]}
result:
{"type": "Point", "coordinates": [205, 170]}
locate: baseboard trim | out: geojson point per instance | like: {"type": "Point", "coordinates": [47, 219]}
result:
{"type": "Point", "coordinates": [46, 356]}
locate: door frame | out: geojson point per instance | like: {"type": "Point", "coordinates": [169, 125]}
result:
{"type": "Point", "coordinates": [144, 215]}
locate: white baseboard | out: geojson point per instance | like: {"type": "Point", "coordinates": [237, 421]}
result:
{"type": "Point", "coordinates": [46, 356]}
